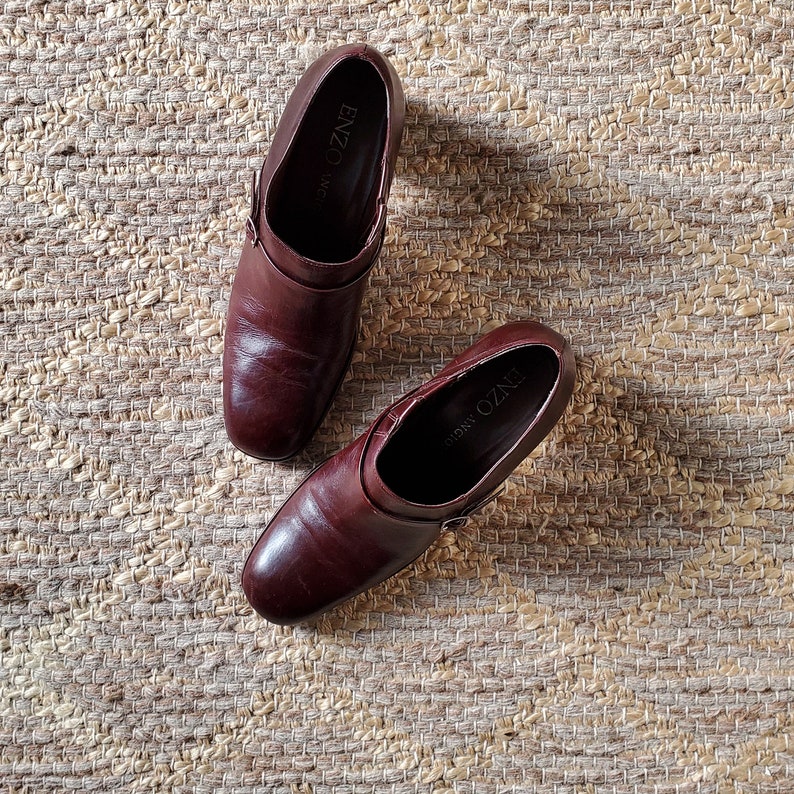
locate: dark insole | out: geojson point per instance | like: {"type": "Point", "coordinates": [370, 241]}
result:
{"type": "Point", "coordinates": [324, 201]}
{"type": "Point", "coordinates": [448, 444]}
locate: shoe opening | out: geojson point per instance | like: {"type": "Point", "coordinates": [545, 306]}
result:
{"type": "Point", "coordinates": [450, 441]}
{"type": "Point", "coordinates": [323, 201]}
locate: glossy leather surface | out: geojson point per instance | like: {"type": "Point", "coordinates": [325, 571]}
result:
{"type": "Point", "coordinates": [317, 222]}
{"type": "Point", "coordinates": [355, 520]}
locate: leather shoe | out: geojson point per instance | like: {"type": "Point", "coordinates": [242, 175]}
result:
{"type": "Point", "coordinates": [426, 463]}
{"type": "Point", "coordinates": [317, 221]}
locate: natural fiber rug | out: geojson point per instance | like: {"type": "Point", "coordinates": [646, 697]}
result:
{"type": "Point", "coordinates": [621, 620]}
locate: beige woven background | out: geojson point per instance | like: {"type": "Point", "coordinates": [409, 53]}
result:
{"type": "Point", "coordinates": [622, 620]}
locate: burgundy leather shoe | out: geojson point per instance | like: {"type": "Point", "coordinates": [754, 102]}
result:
{"type": "Point", "coordinates": [316, 227]}
{"type": "Point", "coordinates": [425, 464]}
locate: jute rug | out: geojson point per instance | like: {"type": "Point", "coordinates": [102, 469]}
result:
{"type": "Point", "coordinates": [621, 620]}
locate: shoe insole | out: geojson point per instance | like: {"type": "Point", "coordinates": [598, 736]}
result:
{"type": "Point", "coordinates": [324, 202]}
{"type": "Point", "coordinates": [449, 443]}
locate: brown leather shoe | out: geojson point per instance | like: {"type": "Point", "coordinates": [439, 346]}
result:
{"type": "Point", "coordinates": [316, 227]}
{"type": "Point", "coordinates": [426, 463]}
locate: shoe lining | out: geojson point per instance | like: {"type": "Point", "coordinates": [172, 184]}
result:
{"type": "Point", "coordinates": [449, 443]}
{"type": "Point", "coordinates": [324, 199]}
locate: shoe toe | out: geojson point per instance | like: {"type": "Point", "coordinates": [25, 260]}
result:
{"type": "Point", "coordinates": [272, 403]}
{"type": "Point", "coordinates": [265, 422]}
{"type": "Point", "coordinates": [280, 576]}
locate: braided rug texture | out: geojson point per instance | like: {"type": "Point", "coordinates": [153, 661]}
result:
{"type": "Point", "coordinates": [620, 620]}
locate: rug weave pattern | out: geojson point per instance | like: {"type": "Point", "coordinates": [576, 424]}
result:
{"type": "Point", "coordinates": [620, 620]}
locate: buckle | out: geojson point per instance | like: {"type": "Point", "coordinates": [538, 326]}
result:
{"type": "Point", "coordinates": [251, 230]}
{"type": "Point", "coordinates": [253, 219]}
{"type": "Point", "coordinates": [463, 519]}
{"type": "Point", "coordinates": [455, 523]}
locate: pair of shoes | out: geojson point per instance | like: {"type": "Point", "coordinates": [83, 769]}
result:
{"type": "Point", "coordinates": [437, 454]}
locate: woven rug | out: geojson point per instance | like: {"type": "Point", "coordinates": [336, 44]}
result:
{"type": "Point", "coordinates": [620, 620]}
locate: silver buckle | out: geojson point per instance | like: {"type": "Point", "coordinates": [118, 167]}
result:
{"type": "Point", "coordinates": [454, 523]}
{"type": "Point", "coordinates": [250, 228]}
{"type": "Point", "coordinates": [253, 219]}
{"type": "Point", "coordinates": [463, 520]}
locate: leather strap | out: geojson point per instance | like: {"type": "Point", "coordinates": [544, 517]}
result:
{"type": "Point", "coordinates": [252, 233]}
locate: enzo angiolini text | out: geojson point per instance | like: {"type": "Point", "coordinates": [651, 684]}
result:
{"type": "Point", "coordinates": [337, 143]}
{"type": "Point", "coordinates": [488, 403]}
